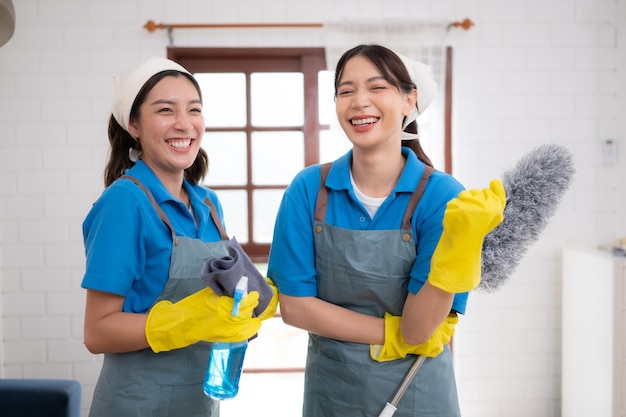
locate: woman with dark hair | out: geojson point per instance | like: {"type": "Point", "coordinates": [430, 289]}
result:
{"type": "Point", "coordinates": [146, 240]}
{"type": "Point", "coordinates": [374, 254]}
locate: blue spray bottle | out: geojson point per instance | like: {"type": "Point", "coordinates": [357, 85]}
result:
{"type": "Point", "coordinates": [226, 361]}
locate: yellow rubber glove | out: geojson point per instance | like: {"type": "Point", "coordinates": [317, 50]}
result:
{"type": "Point", "coordinates": [200, 316]}
{"type": "Point", "coordinates": [396, 348]}
{"type": "Point", "coordinates": [271, 308]}
{"type": "Point", "coordinates": [456, 263]}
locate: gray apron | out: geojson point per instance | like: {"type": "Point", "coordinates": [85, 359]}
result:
{"type": "Point", "coordinates": [144, 383]}
{"type": "Point", "coordinates": [368, 272]}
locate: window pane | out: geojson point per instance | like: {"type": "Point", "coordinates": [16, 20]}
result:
{"type": "Point", "coordinates": [235, 207]}
{"type": "Point", "coordinates": [333, 144]}
{"type": "Point", "coordinates": [227, 158]}
{"type": "Point", "coordinates": [224, 98]}
{"type": "Point", "coordinates": [276, 157]}
{"type": "Point", "coordinates": [282, 346]}
{"type": "Point", "coordinates": [266, 204]}
{"type": "Point", "coordinates": [277, 98]}
{"type": "Point", "coordinates": [326, 97]}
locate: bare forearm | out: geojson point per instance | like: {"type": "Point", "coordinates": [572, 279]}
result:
{"type": "Point", "coordinates": [116, 333]}
{"type": "Point", "coordinates": [329, 320]}
{"type": "Point", "coordinates": [108, 329]}
{"type": "Point", "coordinates": [424, 312]}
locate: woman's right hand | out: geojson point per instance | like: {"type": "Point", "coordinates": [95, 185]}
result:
{"type": "Point", "coordinates": [202, 316]}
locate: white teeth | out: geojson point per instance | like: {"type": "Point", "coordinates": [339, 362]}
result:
{"type": "Point", "coordinates": [183, 143]}
{"type": "Point", "coordinates": [364, 121]}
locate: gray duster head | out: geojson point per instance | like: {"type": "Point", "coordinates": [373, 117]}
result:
{"type": "Point", "coordinates": [534, 188]}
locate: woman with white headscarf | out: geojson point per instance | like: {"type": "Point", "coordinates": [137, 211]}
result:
{"type": "Point", "coordinates": [374, 254]}
{"type": "Point", "coordinates": [146, 240]}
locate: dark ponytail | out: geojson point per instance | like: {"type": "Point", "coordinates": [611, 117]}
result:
{"type": "Point", "coordinates": [415, 145]}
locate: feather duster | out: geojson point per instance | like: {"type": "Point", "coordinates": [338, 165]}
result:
{"type": "Point", "coordinates": [534, 188]}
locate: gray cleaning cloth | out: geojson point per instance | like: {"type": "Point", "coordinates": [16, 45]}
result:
{"type": "Point", "coordinates": [223, 274]}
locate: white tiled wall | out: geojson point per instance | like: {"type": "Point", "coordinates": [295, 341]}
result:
{"type": "Point", "coordinates": [529, 72]}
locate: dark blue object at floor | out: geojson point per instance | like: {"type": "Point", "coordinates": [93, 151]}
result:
{"type": "Point", "coordinates": [40, 398]}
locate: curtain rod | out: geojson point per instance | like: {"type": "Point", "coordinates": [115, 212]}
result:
{"type": "Point", "coordinates": [151, 26]}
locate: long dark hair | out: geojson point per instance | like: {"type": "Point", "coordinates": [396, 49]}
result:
{"type": "Point", "coordinates": [395, 73]}
{"type": "Point", "coordinates": [121, 141]}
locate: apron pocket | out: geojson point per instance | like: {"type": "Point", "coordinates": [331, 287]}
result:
{"type": "Point", "coordinates": [335, 388]}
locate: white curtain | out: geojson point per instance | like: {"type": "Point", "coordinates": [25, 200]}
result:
{"type": "Point", "coordinates": [424, 41]}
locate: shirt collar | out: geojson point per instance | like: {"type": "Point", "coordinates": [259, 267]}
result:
{"type": "Point", "coordinates": [339, 175]}
{"type": "Point", "coordinates": [148, 178]}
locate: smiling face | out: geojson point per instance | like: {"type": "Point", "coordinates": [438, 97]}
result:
{"type": "Point", "coordinates": [170, 126]}
{"type": "Point", "coordinates": [369, 109]}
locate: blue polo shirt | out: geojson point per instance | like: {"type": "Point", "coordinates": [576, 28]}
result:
{"type": "Point", "coordinates": [127, 245]}
{"type": "Point", "coordinates": [292, 255]}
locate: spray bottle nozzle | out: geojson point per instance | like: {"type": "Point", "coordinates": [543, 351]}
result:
{"type": "Point", "coordinates": [241, 290]}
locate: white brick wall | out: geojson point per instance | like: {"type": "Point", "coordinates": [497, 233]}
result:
{"type": "Point", "coordinates": [529, 72]}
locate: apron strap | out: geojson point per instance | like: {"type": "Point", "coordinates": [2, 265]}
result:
{"type": "Point", "coordinates": [154, 203]}
{"type": "Point", "coordinates": [416, 196]}
{"type": "Point", "coordinates": [216, 218]}
{"type": "Point", "coordinates": [163, 216]}
{"type": "Point", "coordinates": [322, 195]}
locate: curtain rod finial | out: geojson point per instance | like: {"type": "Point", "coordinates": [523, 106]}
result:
{"type": "Point", "coordinates": [151, 26]}
{"type": "Point", "coordinates": [465, 24]}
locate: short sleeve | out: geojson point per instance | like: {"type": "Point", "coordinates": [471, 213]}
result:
{"type": "Point", "coordinates": [114, 250]}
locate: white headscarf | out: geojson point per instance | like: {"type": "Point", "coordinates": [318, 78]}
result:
{"type": "Point", "coordinates": [421, 75]}
{"type": "Point", "coordinates": [126, 86]}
